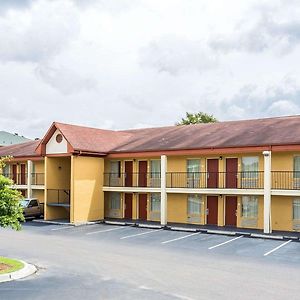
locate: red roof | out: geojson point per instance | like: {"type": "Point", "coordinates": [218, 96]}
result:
{"type": "Point", "coordinates": [259, 132]}
{"type": "Point", "coordinates": [246, 133]}
{"type": "Point", "coordinates": [26, 149]}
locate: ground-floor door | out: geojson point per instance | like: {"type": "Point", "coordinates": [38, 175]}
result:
{"type": "Point", "coordinates": [230, 210]}
{"type": "Point", "coordinates": [128, 206]}
{"type": "Point", "coordinates": [143, 207]}
{"type": "Point", "coordinates": [212, 210]}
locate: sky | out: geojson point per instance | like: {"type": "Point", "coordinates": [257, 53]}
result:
{"type": "Point", "coordinates": [122, 64]}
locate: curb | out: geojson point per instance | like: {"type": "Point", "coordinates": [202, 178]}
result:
{"type": "Point", "coordinates": [149, 226]}
{"type": "Point", "coordinates": [24, 272]}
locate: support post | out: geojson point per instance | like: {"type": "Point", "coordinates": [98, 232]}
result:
{"type": "Point", "coordinates": [29, 178]}
{"type": "Point", "coordinates": [267, 192]}
{"type": "Point", "coordinates": [163, 192]}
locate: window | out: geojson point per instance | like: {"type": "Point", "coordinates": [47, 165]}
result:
{"type": "Point", "coordinates": [59, 138]}
{"type": "Point", "coordinates": [115, 168]}
{"type": "Point", "coordinates": [34, 203]}
{"type": "Point", "coordinates": [6, 171]}
{"type": "Point", "coordinates": [249, 172]}
{"type": "Point", "coordinates": [155, 202]}
{"type": "Point", "coordinates": [115, 200]}
{"type": "Point", "coordinates": [193, 172]}
{"type": "Point", "coordinates": [194, 204]}
{"type": "Point", "coordinates": [115, 173]}
{"type": "Point", "coordinates": [250, 164]}
{"type": "Point", "coordinates": [296, 209]}
{"type": "Point", "coordinates": [249, 207]}
{"type": "Point", "coordinates": [193, 165]}
{"type": "Point", "coordinates": [155, 173]}
{"type": "Point", "coordinates": [297, 167]}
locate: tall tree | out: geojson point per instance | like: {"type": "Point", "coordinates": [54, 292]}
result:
{"type": "Point", "coordinates": [197, 118]}
{"type": "Point", "coordinates": [11, 212]}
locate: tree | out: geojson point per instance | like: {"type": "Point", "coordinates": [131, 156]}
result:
{"type": "Point", "coordinates": [11, 212]}
{"type": "Point", "coordinates": [197, 118]}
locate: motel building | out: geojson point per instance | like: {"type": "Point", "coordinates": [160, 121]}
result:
{"type": "Point", "coordinates": [243, 174]}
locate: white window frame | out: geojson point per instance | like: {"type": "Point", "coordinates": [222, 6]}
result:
{"type": "Point", "coordinates": [296, 204]}
{"type": "Point", "coordinates": [113, 201]}
{"type": "Point", "coordinates": [154, 197]}
{"type": "Point", "coordinates": [194, 200]}
{"type": "Point", "coordinates": [249, 212]}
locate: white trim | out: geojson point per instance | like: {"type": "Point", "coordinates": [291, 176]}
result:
{"type": "Point", "coordinates": [29, 178]}
{"type": "Point", "coordinates": [267, 191]}
{"type": "Point", "coordinates": [163, 193]}
{"type": "Point", "coordinates": [254, 192]}
{"type": "Point", "coordinates": [295, 193]}
{"type": "Point", "coordinates": [216, 191]}
{"type": "Point", "coordinates": [126, 189]}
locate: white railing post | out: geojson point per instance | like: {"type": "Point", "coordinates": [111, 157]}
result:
{"type": "Point", "coordinates": [29, 178]}
{"type": "Point", "coordinates": [267, 191]}
{"type": "Point", "coordinates": [163, 192]}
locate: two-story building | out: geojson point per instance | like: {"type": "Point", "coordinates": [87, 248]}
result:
{"type": "Point", "coordinates": [242, 174]}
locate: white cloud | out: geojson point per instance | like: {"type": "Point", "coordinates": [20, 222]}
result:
{"type": "Point", "coordinates": [67, 81]}
{"type": "Point", "coordinates": [174, 55]}
{"type": "Point", "coordinates": [37, 34]}
{"type": "Point", "coordinates": [283, 107]}
{"type": "Point", "coordinates": [123, 64]}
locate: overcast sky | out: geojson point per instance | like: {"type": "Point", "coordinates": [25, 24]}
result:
{"type": "Point", "coordinates": [135, 63]}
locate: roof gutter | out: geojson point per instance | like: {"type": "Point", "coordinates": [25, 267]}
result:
{"type": "Point", "coordinates": [88, 153]}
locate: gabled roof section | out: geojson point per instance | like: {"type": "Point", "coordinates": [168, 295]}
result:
{"type": "Point", "coordinates": [86, 139]}
{"type": "Point", "coordinates": [20, 150]}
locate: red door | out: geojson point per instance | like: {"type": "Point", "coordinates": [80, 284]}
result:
{"type": "Point", "coordinates": [14, 173]}
{"type": "Point", "coordinates": [231, 172]}
{"type": "Point", "coordinates": [23, 174]}
{"type": "Point", "coordinates": [143, 173]}
{"type": "Point", "coordinates": [128, 206]}
{"type": "Point", "coordinates": [143, 207]}
{"type": "Point", "coordinates": [212, 210]}
{"type": "Point", "coordinates": [230, 210]}
{"type": "Point", "coordinates": [128, 173]}
{"type": "Point", "coordinates": [212, 173]}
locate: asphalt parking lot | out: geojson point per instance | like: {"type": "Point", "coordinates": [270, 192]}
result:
{"type": "Point", "coordinates": [122, 262]}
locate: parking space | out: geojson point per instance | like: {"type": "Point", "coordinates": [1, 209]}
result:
{"type": "Point", "coordinates": [214, 244]}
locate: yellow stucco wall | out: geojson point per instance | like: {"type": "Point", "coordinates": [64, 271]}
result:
{"type": "Point", "coordinates": [57, 176]}
{"type": "Point", "coordinates": [282, 213]}
{"type": "Point", "coordinates": [87, 197]}
{"type": "Point", "coordinates": [39, 166]}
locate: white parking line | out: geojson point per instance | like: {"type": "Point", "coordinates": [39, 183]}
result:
{"type": "Point", "coordinates": [63, 227]}
{"type": "Point", "coordinates": [180, 238]}
{"type": "Point", "coordinates": [107, 230]}
{"type": "Point", "coordinates": [133, 235]}
{"type": "Point", "coordinates": [278, 247]}
{"type": "Point", "coordinates": [225, 242]}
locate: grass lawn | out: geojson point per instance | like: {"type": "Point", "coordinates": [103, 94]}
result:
{"type": "Point", "coordinates": [8, 265]}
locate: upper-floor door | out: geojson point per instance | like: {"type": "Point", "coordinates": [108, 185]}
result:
{"type": "Point", "coordinates": [231, 172]}
{"type": "Point", "coordinates": [14, 173]}
{"type": "Point", "coordinates": [143, 165]}
{"type": "Point", "coordinates": [128, 173]}
{"type": "Point", "coordinates": [23, 174]}
{"type": "Point", "coordinates": [212, 173]}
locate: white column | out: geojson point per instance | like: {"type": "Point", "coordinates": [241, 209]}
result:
{"type": "Point", "coordinates": [267, 191]}
{"type": "Point", "coordinates": [163, 192]}
{"type": "Point", "coordinates": [29, 178]}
